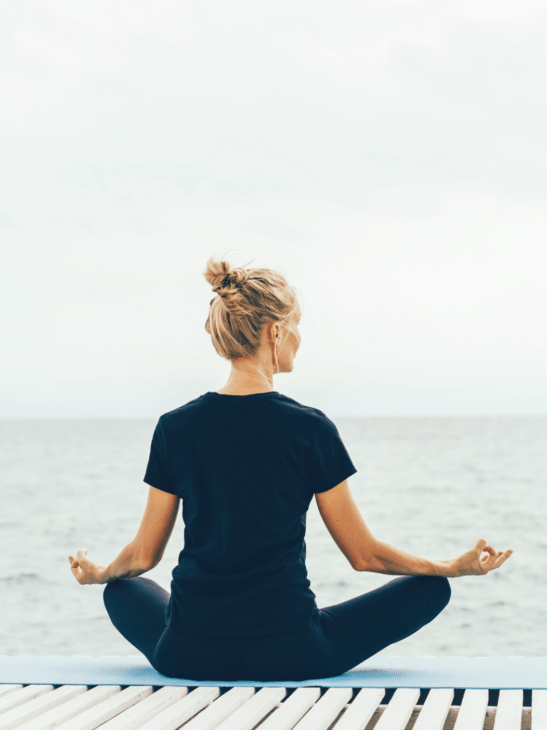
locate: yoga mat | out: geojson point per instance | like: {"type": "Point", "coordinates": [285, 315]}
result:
{"type": "Point", "coordinates": [386, 672]}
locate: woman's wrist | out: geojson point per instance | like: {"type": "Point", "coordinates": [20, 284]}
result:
{"type": "Point", "coordinates": [446, 568]}
{"type": "Point", "coordinates": [104, 576]}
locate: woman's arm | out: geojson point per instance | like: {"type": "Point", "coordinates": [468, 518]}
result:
{"type": "Point", "coordinates": [386, 558]}
{"type": "Point", "coordinates": [146, 550]}
{"type": "Point", "coordinates": [88, 572]}
{"type": "Point", "coordinates": [143, 553]}
{"type": "Point", "coordinates": [125, 565]}
{"type": "Point", "coordinates": [364, 552]}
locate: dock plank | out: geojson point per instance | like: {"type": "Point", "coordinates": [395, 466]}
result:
{"type": "Point", "coordinates": [399, 709]}
{"type": "Point", "coordinates": [105, 710]}
{"type": "Point", "coordinates": [539, 709]}
{"type": "Point", "coordinates": [58, 715]}
{"type": "Point", "coordinates": [326, 710]}
{"type": "Point", "coordinates": [220, 709]}
{"type": "Point", "coordinates": [182, 710]}
{"type": "Point", "coordinates": [20, 696]}
{"type": "Point", "coordinates": [36, 707]}
{"type": "Point", "coordinates": [472, 710]}
{"type": "Point", "coordinates": [509, 710]}
{"type": "Point", "coordinates": [147, 709]}
{"type": "Point", "coordinates": [361, 709]}
{"type": "Point", "coordinates": [292, 709]}
{"type": "Point", "coordinates": [254, 709]}
{"type": "Point", "coordinates": [435, 710]}
{"type": "Point", "coordinates": [6, 689]}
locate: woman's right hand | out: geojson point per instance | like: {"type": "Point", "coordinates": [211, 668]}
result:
{"type": "Point", "coordinates": [471, 562]}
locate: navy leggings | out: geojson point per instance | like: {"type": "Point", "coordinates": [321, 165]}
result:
{"type": "Point", "coordinates": [348, 633]}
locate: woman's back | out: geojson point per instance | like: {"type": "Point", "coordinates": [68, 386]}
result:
{"type": "Point", "coordinates": [246, 468]}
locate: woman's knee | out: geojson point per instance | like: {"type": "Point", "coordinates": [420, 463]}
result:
{"type": "Point", "coordinates": [431, 592]}
{"type": "Point", "coordinates": [439, 592]}
{"type": "Point", "coordinates": [445, 590]}
{"type": "Point", "coordinates": [119, 586]}
{"type": "Point", "coordinates": [111, 592]}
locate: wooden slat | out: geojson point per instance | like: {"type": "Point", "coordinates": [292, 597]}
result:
{"type": "Point", "coordinates": [220, 709]}
{"type": "Point", "coordinates": [99, 714]}
{"type": "Point", "coordinates": [361, 709]}
{"type": "Point", "coordinates": [292, 709]}
{"type": "Point", "coordinates": [326, 709]}
{"type": "Point", "coordinates": [173, 717]}
{"type": "Point", "coordinates": [74, 707]}
{"type": "Point", "coordinates": [435, 710]}
{"type": "Point", "coordinates": [472, 710]}
{"type": "Point", "coordinates": [255, 709]}
{"type": "Point", "coordinates": [137, 715]}
{"type": "Point", "coordinates": [509, 710]}
{"type": "Point", "coordinates": [6, 689]}
{"type": "Point", "coordinates": [398, 709]}
{"type": "Point", "coordinates": [17, 716]}
{"type": "Point", "coordinates": [539, 709]}
{"type": "Point", "coordinates": [54, 717]}
{"type": "Point", "coordinates": [20, 696]}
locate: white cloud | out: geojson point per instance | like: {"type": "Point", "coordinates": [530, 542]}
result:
{"type": "Point", "coordinates": [390, 158]}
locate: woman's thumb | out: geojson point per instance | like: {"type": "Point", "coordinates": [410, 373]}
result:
{"type": "Point", "coordinates": [479, 545]}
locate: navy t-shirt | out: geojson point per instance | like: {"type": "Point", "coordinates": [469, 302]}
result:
{"type": "Point", "coordinates": [246, 468]}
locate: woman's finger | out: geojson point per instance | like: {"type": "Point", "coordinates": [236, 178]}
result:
{"type": "Point", "coordinates": [502, 557]}
{"type": "Point", "coordinates": [488, 561]}
{"type": "Point", "coordinates": [82, 557]}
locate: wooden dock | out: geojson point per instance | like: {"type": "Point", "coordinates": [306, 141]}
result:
{"type": "Point", "coordinates": [122, 707]}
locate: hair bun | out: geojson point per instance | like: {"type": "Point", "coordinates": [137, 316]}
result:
{"type": "Point", "coordinates": [221, 275]}
{"type": "Point", "coordinates": [237, 277]}
{"type": "Point", "coordinates": [217, 273]}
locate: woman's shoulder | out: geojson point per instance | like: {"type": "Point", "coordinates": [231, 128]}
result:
{"type": "Point", "coordinates": [309, 414]}
{"type": "Point", "coordinates": [299, 414]}
{"type": "Point", "coordinates": [181, 411]}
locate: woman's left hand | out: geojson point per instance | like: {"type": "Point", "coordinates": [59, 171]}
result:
{"type": "Point", "coordinates": [85, 570]}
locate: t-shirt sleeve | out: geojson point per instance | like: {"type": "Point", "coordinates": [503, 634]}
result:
{"type": "Point", "coordinates": [329, 462]}
{"type": "Point", "coordinates": [156, 471]}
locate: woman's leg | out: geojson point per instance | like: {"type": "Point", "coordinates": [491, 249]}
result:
{"type": "Point", "coordinates": [185, 656]}
{"type": "Point", "coordinates": [362, 626]}
{"type": "Point", "coordinates": [349, 632]}
{"type": "Point", "coordinates": [136, 607]}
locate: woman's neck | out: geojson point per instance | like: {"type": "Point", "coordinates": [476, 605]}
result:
{"type": "Point", "coordinates": [244, 382]}
{"type": "Point", "coordinates": [225, 391]}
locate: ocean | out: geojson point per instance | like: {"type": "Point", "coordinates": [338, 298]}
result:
{"type": "Point", "coordinates": [432, 486]}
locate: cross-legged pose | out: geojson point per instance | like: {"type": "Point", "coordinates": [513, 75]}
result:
{"type": "Point", "coordinates": [246, 461]}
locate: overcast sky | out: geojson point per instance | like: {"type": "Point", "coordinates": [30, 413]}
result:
{"type": "Point", "coordinates": [388, 157]}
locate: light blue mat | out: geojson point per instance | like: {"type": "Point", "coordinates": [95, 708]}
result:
{"type": "Point", "coordinates": [393, 671]}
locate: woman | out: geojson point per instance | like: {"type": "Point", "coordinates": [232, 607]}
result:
{"type": "Point", "coordinates": [246, 461]}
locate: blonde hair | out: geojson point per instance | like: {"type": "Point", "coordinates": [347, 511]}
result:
{"type": "Point", "coordinates": [246, 299]}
